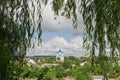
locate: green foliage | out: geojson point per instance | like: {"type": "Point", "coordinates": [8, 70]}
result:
{"type": "Point", "coordinates": [59, 72]}
{"type": "Point", "coordinates": [66, 8]}
{"type": "Point", "coordinates": [51, 74]}
{"type": "Point", "coordinates": [114, 72]}
{"type": "Point", "coordinates": [81, 73]}
{"type": "Point", "coordinates": [51, 60]}
{"type": "Point", "coordinates": [85, 73]}
{"type": "Point", "coordinates": [102, 20]}
{"type": "Point", "coordinates": [67, 64]}
{"type": "Point", "coordinates": [34, 72]}
{"type": "Point", "coordinates": [57, 5]}
{"type": "Point", "coordinates": [17, 26]}
{"type": "Point", "coordinates": [42, 74]}
{"type": "Point", "coordinates": [72, 58]}
{"type": "Point", "coordinates": [4, 61]}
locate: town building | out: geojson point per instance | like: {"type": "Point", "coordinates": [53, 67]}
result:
{"type": "Point", "coordinates": [59, 56]}
{"type": "Point", "coordinates": [98, 78]}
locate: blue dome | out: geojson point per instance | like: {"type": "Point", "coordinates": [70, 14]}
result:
{"type": "Point", "coordinates": [60, 51]}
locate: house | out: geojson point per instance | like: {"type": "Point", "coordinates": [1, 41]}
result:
{"type": "Point", "coordinates": [68, 78]}
{"type": "Point", "coordinates": [98, 78]}
{"type": "Point", "coordinates": [82, 63]}
{"type": "Point", "coordinates": [113, 79]}
{"type": "Point", "coordinates": [48, 65]}
{"type": "Point", "coordinates": [25, 59]}
{"type": "Point", "coordinates": [29, 62]}
{"type": "Point", "coordinates": [119, 62]}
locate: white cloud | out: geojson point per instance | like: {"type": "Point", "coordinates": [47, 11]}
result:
{"type": "Point", "coordinates": [72, 48]}
{"type": "Point", "coordinates": [49, 23]}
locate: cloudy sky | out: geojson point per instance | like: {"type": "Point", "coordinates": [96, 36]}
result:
{"type": "Point", "coordinates": [59, 34]}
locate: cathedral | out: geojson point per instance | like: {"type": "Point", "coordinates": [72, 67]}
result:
{"type": "Point", "coordinates": [59, 56]}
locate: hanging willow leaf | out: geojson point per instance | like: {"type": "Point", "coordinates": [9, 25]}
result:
{"type": "Point", "coordinates": [105, 30]}
{"type": "Point", "coordinates": [102, 20]}
{"type": "Point", "coordinates": [102, 26]}
{"type": "Point", "coordinates": [17, 27]}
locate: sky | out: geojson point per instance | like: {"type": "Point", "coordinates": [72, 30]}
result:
{"type": "Point", "coordinates": [59, 34]}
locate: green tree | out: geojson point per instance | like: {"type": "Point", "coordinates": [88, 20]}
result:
{"type": "Point", "coordinates": [67, 64]}
{"type": "Point", "coordinates": [42, 75]}
{"type": "Point", "coordinates": [17, 26]}
{"type": "Point", "coordinates": [102, 21]}
{"type": "Point", "coordinates": [72, 58]}
{"type": "Point", "coordinates": [59, 72]}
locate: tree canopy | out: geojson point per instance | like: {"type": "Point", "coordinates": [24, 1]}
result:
{"type": "Point", "coordinates": [102, 21]}
{"type": "Point", "coordinates": [17, 27]}
{"type": "Point", "coordinates": [102, 26]}
{"type": "Point", "coordinates": [18, 23]}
